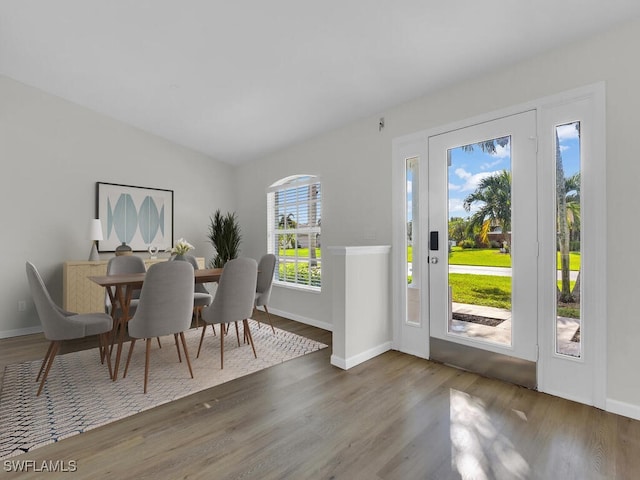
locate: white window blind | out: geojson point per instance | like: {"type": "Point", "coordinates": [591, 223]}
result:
{"type": "Point", "coordinates": [294, 213]}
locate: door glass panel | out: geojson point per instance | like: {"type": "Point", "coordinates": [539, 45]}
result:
{"type": "Point", "coordinates": [411, 215]}
{"type": "Point", "coordinates": [480, 241]}
{"type": "Point", "coordinates": [568, 262]}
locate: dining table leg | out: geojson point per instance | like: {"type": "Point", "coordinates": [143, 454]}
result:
{"type": "Point", "coordinates": [124, 299]}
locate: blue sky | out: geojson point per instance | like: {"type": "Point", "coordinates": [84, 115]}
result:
{"type": "Point", "coordinates": [469, 168]}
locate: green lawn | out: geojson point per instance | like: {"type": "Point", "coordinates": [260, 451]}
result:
{"type": "Point", "coordinates": [490, 257]}
{"type": "Point", "coordinates": [485, 257]}
{"type": "Point", "coordinates": [490, 291]}
{"type": "Point", "coordinates": [302, 252]}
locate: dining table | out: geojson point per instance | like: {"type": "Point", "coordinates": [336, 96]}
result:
{"type": "Point", "coordinates": [120, 288]}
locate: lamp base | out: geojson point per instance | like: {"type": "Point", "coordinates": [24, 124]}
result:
{"type": "Point", "coordinates": [93, 256]}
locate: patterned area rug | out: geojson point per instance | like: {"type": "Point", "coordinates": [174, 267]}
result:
{"type": "Point", "coordinates": [79, 395]}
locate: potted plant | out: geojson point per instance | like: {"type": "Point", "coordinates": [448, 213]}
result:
{"type": "Point", "coordinates": [224, 235]}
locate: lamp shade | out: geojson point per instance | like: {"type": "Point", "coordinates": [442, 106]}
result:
{"type": "Point", "coordinates": [95, 230]}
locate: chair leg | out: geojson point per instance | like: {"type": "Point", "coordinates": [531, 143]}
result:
{"type": "Point", "coordinates": [248, 332]}
{"type": "Point", "coordinates": [186, 352]}
{"type": "Point", "coordinates": [121, 333]}
{"type": "Point", "coordinates": [103, 338]}
{"type": "Point", "coordinates": [159, 344]}
{"type": "Point", "coordinates": [44, 360]}
{"type": "Point", "coordinates": [204, 329]}
{"type": "Point", "coordinates": [52, 356]}
{"type": "Point", "coordinates": [117, 325]}
{"type": "Point", "coordinates": [237, 333]}
{"type": "Point", "coordinates": [175, 336]}
{"type": "Point", "coordinates": [269, 317]}
{"type": "Point", "coordinates": [114, 334]}
{"type": "Point", "coordinates": [126, 367]}
{"type": "Point", "coordinates": [221, 351]}
{"type": "Point", "coordinates": [146, 364]}
{"type": "Point", "coordinates": [102, 349]}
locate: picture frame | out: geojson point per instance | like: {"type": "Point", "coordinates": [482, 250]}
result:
{"type": "Point", "coordinates": [141, 217]}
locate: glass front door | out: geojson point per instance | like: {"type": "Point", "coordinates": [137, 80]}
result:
{"type": "Point", "coordinates": [483, 236]}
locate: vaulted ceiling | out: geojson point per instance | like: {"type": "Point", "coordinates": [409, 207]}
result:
{"type": "Point", "coordinates": [237, 80]}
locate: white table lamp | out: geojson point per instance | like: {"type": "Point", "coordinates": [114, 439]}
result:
{"type": "Point", "coordinates": [95, 234]}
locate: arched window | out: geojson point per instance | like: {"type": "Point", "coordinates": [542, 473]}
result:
{"type": "Point", "coordinates": [294, 212]}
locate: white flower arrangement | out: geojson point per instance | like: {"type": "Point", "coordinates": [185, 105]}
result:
{"type": "Point", "coordinates": [181, 247]}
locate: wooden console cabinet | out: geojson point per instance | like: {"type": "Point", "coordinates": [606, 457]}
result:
{"type": "Point", "coordinates": [81, 295]}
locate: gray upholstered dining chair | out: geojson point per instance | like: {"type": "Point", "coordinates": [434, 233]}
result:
{"type": "Point", "coordinates": [165, 308]}
{"type": "Point", "coordinates": [266, 267]}
{"type": "Point", "coordinates": [59, 325]}
{"type": "Point", "coordinates": [120, 265]}
{"type": "Point", "coordinates": [201, 296]}
{"type": "Point", "coordinates": [233, 301]}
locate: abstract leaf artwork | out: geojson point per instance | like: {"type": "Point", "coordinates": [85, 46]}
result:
{"type": "Point", "coordinates": [138, 216]}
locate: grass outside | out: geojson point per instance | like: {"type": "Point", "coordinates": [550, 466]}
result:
{"type": "Point", "coordinates": [491, 291]}
{"type": "Point", "coordinates": [487, 290]}
{"type": "Point", "coordinates": [484, 257]}
{"type": "Point", "coordinates": [490, 257]}
{"type": "Point", "coordinates": [301, 252]}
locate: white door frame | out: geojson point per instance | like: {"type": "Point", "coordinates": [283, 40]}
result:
{"type": "Point", "coordinates": [405, 338]}
{"type": "Point", "coordinates": [408, 337]}
{"type": "Point", "coordinates": [588, 373]}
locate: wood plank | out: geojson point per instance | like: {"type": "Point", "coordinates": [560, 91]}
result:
{"type": "Point", "coordinates": [393, 417]}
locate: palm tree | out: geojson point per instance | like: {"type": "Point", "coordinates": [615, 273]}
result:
{"type": "Point", "coordinates": [568, 219]}
{"type": "Point", "coordinates": [572, 189]}
{"type": "Point", "coordinates": [488, 146]}
{"type": "Point", "coordinates": [494, 197]}
{"type": "Point", "coordinates": [284, 223]}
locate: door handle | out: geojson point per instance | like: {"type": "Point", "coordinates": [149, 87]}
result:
{"type": "Point", "coordinates": [433, 260]}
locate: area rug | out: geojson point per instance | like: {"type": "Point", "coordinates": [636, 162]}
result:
{"type": "Point", "coordinates": [79, 395]}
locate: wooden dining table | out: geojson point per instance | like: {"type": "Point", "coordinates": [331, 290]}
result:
{"type": "Point", "coordinates": [120, 288]}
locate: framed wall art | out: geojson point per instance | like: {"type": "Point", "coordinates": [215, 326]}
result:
{"type": "Point", "coordinates": [140, 217]}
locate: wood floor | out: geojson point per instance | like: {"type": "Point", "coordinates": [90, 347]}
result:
{"type": "Point", "coordinates": [393, 417]}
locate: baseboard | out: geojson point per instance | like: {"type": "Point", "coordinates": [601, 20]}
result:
{"type": "Point", "coordinates": [624, 409]}
{"type": "Point", "coordinates": [338, 362]}
{"type": "Point", "coordinates": [20, 332]}
{"type": "Point", "coordinates": [299, 318]}
{"type": "Point", "coordinates": [354, 360]}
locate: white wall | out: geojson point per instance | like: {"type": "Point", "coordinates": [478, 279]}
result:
{"type": "Point", "coordinates": [53, 152]}
{"type": "Point", "coordinates": [354, 163]}
{"type": "Point", "coordinates": [361, 304]}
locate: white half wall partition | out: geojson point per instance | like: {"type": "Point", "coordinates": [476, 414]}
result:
{"type": "Point", "coordinates": [362, 326]}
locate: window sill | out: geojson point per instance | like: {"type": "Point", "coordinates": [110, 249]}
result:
{"type": "Point", "coordinates": [293, 286]}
